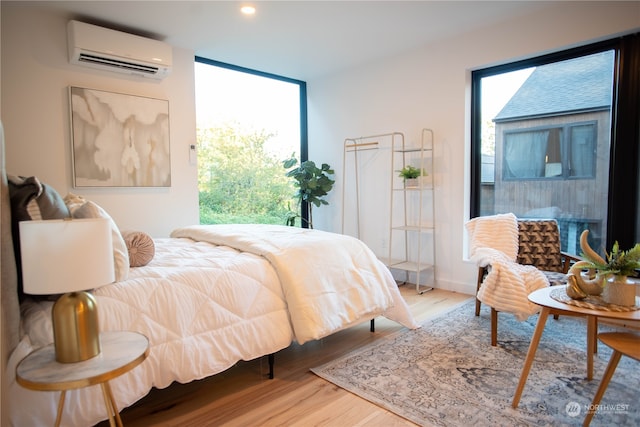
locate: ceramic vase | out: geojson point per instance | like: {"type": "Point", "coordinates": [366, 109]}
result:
{"type": "Point", "coordinates": [620, 291]}
{"type": "Point", "coordinates": [411, 183]}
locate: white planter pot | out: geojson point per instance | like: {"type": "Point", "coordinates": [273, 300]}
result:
{"type": "Point", "coordinates": [411, 183]}
{"type": "Point", "coordinates": [619, 291]}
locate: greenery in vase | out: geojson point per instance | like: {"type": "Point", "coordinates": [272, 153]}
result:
{"type": "Point", "coordinates": [618, 262]}
{"type": "Point", "coordinates": [411, 172]}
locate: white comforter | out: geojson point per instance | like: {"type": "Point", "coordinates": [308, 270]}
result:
{"type": "Point", "coordinates": [204, 307]}
{"type": "Point", "coordinates": [330, 281]}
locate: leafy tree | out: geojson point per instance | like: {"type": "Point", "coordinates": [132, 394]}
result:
{"type": "Point", "coordinates": [238, 180]}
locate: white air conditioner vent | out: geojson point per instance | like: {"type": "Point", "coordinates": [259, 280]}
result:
{"type": "Point", "coordinates": [126, 66]}
{"type": "Point", "coordinates": [106, 49]}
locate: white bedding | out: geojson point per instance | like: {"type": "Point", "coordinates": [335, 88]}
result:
{"type": "Point", "coordinates": [200, 305]}
{"type": "Point", "coordinates": [330, 281]}
{"type": "Point", "coordinates": [205, 307]}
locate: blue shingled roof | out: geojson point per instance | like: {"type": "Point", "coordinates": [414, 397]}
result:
{"type": "Point", "coordinates": [580, 84]}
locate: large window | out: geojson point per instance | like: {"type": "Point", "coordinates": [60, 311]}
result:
{"type": "Point", "coordinates": [555, 137]}
{"type": "Point", "coordinates": [248, 124]}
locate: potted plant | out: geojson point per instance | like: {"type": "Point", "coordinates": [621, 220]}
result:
{"type": "Point", "coordinates": [611, 273]}
{"type": "Point", "coordinates": [312, 182]}
{"type": "Point", "coordinates": [410, 175]}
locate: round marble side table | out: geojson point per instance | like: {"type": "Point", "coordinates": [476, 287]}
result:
{"type": "Point", "coordinates": [121, 351]}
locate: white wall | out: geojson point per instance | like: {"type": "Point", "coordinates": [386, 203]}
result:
{"type": "Point", "coordinates": [431, 88]}
{"type": "Point", "coordinates": [35, 113]}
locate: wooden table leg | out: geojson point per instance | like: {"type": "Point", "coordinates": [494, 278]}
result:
{"type": "Point", "coordinates": [591, 344]}
{"type": "Point", "coordinates": [611, 367]}
{"type": "Point", "coordinates": [535, 340]}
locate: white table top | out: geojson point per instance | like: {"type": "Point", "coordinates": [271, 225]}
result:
{"type": "Point", "coordinates": [121, 351]}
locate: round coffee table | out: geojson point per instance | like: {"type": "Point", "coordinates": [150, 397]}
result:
{"type": "Point", "coordinates": [543, 298]}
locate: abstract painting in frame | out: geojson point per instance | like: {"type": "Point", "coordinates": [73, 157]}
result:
{"type": "Point", "coordinates": [119, 140]}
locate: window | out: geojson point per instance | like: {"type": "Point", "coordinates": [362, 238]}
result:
{"type": "Point", "coordinates": [562, 141]}
{"type": "Point", "coordinates": [248, 123]}
{"type": "Point", "coordinates": [550, 153]}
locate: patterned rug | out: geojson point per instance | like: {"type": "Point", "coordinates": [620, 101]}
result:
{"type": "Point", "coordinates": [447, 374]}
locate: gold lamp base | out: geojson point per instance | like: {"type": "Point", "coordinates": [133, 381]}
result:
{"type": "Point", "coordinates": [76, 334]}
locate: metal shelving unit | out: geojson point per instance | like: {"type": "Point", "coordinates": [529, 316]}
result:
{"type": "Point", "coordinates": [412, 212]}
{"type": "Point", "coordinates": [411, 218]}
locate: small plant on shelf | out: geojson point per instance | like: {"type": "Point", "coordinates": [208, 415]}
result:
{"type": "Point", "coordinates": [410, 174]}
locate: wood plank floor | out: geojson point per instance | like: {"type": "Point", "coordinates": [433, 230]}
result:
{"type": "Point", "coordinates": [244, 396]}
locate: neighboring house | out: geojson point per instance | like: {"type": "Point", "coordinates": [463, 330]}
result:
{"type": "Point", "coordinates": [552, 147]}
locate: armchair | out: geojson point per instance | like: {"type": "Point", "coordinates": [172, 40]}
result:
{"type": "Point", "coordinates": [538, 245]}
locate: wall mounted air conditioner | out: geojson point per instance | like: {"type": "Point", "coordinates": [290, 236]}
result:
{"type": "Point", "coordinates": [107, 49]}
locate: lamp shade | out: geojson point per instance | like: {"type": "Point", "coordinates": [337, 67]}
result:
{"type": "Point", "coordinates": [69, 255]}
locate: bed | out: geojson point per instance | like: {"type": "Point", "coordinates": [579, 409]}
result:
{"type": "Point", "coordinates": [210, 296]}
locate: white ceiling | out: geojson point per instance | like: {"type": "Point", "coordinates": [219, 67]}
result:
{"type": "Point", "coordinates": [297, 39]}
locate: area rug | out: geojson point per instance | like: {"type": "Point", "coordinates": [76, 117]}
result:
{"type": "Point", "coordinates": [447, 374]}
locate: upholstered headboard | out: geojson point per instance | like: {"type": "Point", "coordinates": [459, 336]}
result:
{"type": "Point", "coordinates": [9, 287]}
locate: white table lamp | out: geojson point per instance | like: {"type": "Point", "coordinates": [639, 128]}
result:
{"type": "Point", "coordinates": [69, 256]}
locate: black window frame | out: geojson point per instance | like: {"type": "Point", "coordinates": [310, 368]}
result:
{"type": "Point", "coordinates": [624, 170]}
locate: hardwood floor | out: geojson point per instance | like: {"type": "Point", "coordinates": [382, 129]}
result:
{"type": "Point", "coordinates": [244, 396]}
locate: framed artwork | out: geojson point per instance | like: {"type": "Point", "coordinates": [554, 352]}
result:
{"type": "Point", "coordinates": [119, 140]}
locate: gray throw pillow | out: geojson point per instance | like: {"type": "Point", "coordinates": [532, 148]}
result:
{"type": "Point", "coordinates": [31, 200]}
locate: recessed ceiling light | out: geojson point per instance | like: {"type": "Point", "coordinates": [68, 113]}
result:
{"type": "Point", "coordinates": [248, 10]}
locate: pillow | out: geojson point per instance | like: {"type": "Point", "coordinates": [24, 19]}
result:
{"type": "Point", "coordinates": [140, 246]}
{"type": "Point", "coordinates": [31, 200]}
{"type": "Point", "coordinates": [81, 208]}
{"type": "Point", "coordinates": [73, 202]}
